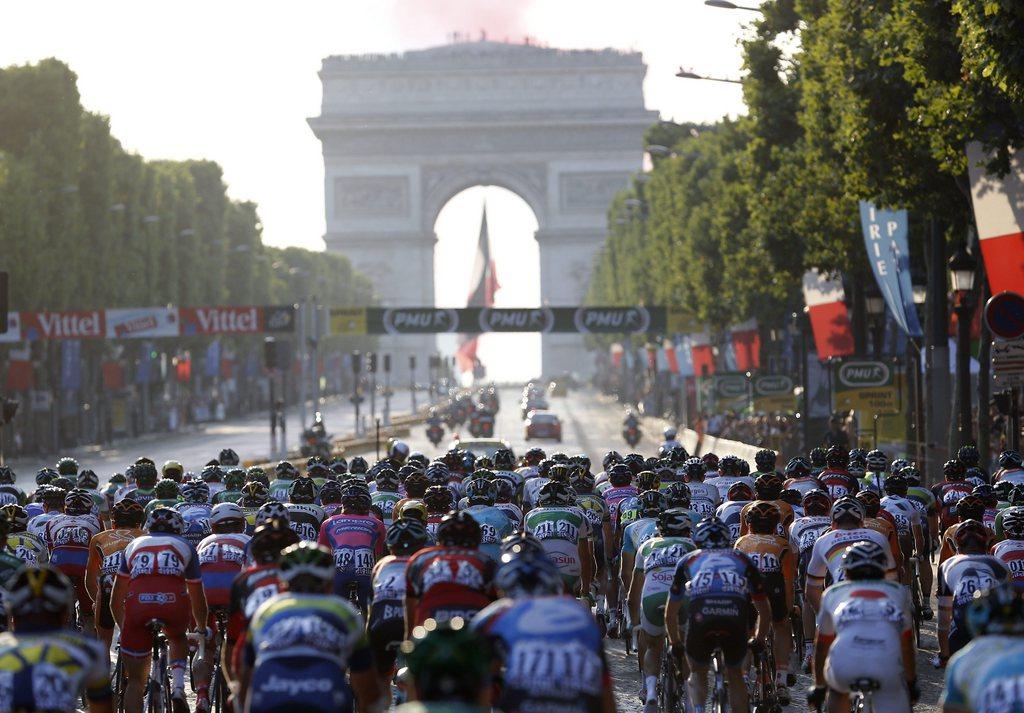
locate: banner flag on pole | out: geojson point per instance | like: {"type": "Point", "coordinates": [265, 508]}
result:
{"type": "Point", "coordinates": [746, 345]}
{"type": "Point", "coordinates": [483, 285]}
{"type": "Point", "coordinates": [1000, 218]}
{"type": "Point", "coordinates": [830, 322]}
{"type": "Point", "coordinates": [702, 354]}
{"type": "Point", "coordinates": [885, 236]}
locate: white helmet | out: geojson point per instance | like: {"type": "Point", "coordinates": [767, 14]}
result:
{"type": "Point", "coordinates": [226, 511]}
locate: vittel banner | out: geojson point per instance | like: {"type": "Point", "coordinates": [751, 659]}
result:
{"type": "Point", "coordinates": [63, 325]}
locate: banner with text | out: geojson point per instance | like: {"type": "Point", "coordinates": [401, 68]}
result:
{"type": "Point", "coordinates": [872, 387]}
{"type": "Point", "coordinates": [773, 393]}
{"type": "Point", "coordinates": [885, 236]}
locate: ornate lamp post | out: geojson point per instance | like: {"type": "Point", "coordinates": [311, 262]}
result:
{"type": "Point", "coordinates": [962, 269]}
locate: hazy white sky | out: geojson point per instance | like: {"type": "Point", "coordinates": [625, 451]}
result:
{"type": "Point", "coordinates": [235, 81]}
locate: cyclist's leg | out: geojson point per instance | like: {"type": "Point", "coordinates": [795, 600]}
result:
{"type": "Point", "coordinates": [924, 573]}
{"type": "Point", "coordinates": [697, 681]}
{"type": "Point", "coordinates": [202, 666]}
{"type": "Point", "coordinates": [104, 620]}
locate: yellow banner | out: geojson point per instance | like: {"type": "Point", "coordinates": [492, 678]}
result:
{"type": "Point", "coordinates": [678, 320]}
{"type": "Point", "coordinates": [348, 321]}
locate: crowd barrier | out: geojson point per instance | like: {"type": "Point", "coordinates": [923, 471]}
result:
{"type": "Point", "coordinates": [712, 444]}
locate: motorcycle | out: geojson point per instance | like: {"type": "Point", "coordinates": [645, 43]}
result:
{"type": "Point", "coordinates": [315, 439]}
{"type": "Point", "coordinates": [435, 433]}
{"type": "Point", "coordinates": [632, 435]}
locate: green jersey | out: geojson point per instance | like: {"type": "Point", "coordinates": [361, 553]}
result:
{"type": "Point", "coordinates": [161, 503]}
{"type": "Point", "coordinates": [385, 502]}
{"type": "Point", "coordinates": [279, 489]}
{"type": "Point", "coordinates": [657, 558]}
{"type": "Point", "coordinates": [227, 496]}
{"type": "Point", "coordinates": [560, 530]}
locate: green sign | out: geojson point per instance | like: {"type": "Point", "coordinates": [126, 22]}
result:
{"type": "Point", "coordinates": [872, 387]}
{"type": "Point", "coordinates": [773, 393]}
{"type": "Point", "coordinates": [729, 391]}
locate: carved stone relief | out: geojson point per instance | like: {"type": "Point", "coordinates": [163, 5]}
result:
{"type": "Point", "coordinates": [587, 192]}
{"type": "Point", "coordinates": [371, 197]}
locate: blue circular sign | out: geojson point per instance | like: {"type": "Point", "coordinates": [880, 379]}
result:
{"type": "Point", "coordinates": [1004, 315]}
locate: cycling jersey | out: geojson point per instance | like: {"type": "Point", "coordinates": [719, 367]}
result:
{"type": "Point", "coordinates": [923, 497]}
{"type": "Point", "coordinates": [638, 532]}
{"type": "Point", "coordinates": [613, 496]}
{"type": "Point", "coordinates": [279, 488]}
{"type": "Point", "coordinates": [947, 495]}
{"type": "Point", "coordinates": [384, 501]}
{"type": "Point", "coordinates": [948, 547]}
{"type": "Point", "coordinates": [959, 578]}
{"type": "Point", "coordinates": [37, 524]}
{"type": "Point", "coordinates": [226, 496]}
{"type": "Point", "coordinates": [252, 586]}
{"type": "Point", "coordinates": [106, 550]}
{"type": "Point", "coordinates": [221, 557]}
{"type": "Point", "coordinates": [494, 527]}
{"type": "Point", "coordinates": [803, 533]}
{"type": "Point", "coordinates": [723, 482]}
{"type": "Point", "coordinates": [299, 647]}
{"type": "Point", "coordinates": [837, 483]}
{"type": "Point", "coordinates": [513, 478]}
{"type": "Point", "coordinates": [305, 520]}
{"type": "Point", "coordinates": [984, 676]}
{"type": "Point", "coordinates": [560, 531]}
{"type": "Point", "coordinates": [803, 485]}
{"type": "Point", "coordinates": [11, 495]}
{"type": "Point", "coordinates": [776, 561]}
{"type": "Point", "coordinates": [28, 548]}
{"type": "Point", "coordinates": [161, 503]}
{"type": "Point", "coordinates": [386, 624]}
{"type": "Point", "coordinates": [449, 582]}
{"type": "Point", "coordinates": [873, 481]}
{"type": "Point", "coordinates": [865, 620]}
{"type": "Point", "coordinates": [628, 511]}
{"type": "Point", "coordinates": [704, 498]}
{"type": "Point", "coordinates": [786, 516]}
{"type": "Point", "coordinates": [514, 513]}
{"type": "Point", "coordinates": [67, 537]}
{"type": "Point", "coordinates": [357, 542]}
{"type": "Point", "coordinates": [158, 566]}
{"type": "Point", "coordinates": [827, 553]}
{"type": "Point", "coordinates": [552, 652]}
{"type": "Point", "coordinates": [140, 495]}
{"type": "Point", "coordinates": [905, 514]}
{"type": "Point", "coordinates": [49, 669]}
{"type": "Point", "coordinates": [729, 513]}
{"type": "Point", "coordinates": [197, 521]}
{"type": "Point", "coordinates": [1015, 476]}
{"type": "Point", "coordinates": [998, 524]}
{"type": "Point", "coordinates": [1011, 554]}
{"type": "Point", "coordinates": [657, 559]}
{"type": "Point", "coordinates": [884, 526]}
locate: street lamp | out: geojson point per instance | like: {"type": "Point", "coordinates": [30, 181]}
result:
{"type": "Point", "coordinates": [726, 5]}
{"type": "Point", "coordinates": [875, 304]}
{"type": "Point", "coordinates": [962, 267]}
{"type": "Point", "coordinates": [687, 74]}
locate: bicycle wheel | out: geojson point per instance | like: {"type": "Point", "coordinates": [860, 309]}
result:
{"type": "Point", "coordinates": [666, 683]}
{"type": "Point", "coordinates": [719, 692]}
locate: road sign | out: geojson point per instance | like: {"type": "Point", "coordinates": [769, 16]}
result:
{"type": "Point", "coordinates": [1008, 361]}
{"type": "Point", "coordinates": [1004, 315]}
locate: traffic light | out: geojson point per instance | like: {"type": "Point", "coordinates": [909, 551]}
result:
{"type": "Point", "coordinates": [357, 361]}
{"type": "Point", "coordinates": [8, 408]}
{"type": "Point", "coordinates": [412, 362]}
{"type": "Point", "coordinates": [387, 363]}
{"type": "Point", "coordinates": [371, 361]}
{"type": "Point", "coordinates": [270, 354]}
{"type": "Point", "coordinates": [4, 302]}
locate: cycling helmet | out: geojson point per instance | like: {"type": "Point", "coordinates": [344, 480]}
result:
{"type": "Point", "coordinates": [817, 456]}
{"type": "Point", "coordinates": [610, 459]}
{"type": "Point", "coordinates": [545, 465]}
{"type": "Point", "coordinates": [448, 662]}
{"type": "Point", "coordinates": [559, 472]}
{"type": "Point", "coordinates": [864, 560]}
{"type": "Point", "coordinates": [870, 501]}
{"type": "Point", "coordinates": [1017, 495]}
{"type": "Point", "coordinates": [836, 457]}
{"type": "Point", "coordinates": [791, 496]}
{"type": "Point", "coordinates": [167, 520]}
{"type": "Point", "coordinates": [51, 496]}
{"type": "Point", "coordinates": [877, 461]}
{"type": "Point", "coordinates": [527, 575]}
{"type": "Point", "coordinates": [406, 536]}
{"type": "Point", "coordinates": [971, 536]}
{"type": "Point", "coordinates": [504, 459]}
{"type": "Point", "coordinates": [1013, 522]}
{"type": "Point", "coordinates": [765, 460]}
{"type": "Point", "coordinates": [970, 507]}
{"type": "Point", "coordinates": [173, 470]}
{"type": "Point", "coordinates": [7, 476]}
{"type": "Point", "coordinates": [256, 473]}
{"type": "Point", "coordinates": [269, 538]}
{"type": "Point", "coordinates": [816, 503]}
{"type": "Point", "coordinates": [740, 492]}
{"type": "Point", "coordinates": [1003, 489]}
{"type": "Point", "coordinates": [582, 460]}
{"type": "Point", "coordinates": [387, 480]}
{"type": "Point", "coordinates": [228, 457]}
{"type": "Point", "coordinates": [483, 462]}
{"type": "Point", "coordinates": [798, 468]}
{"type": "Point", "coordinates": [762, 515]}
{"type": "Point", "coordinates": [695, 469]}
{"type": "Point", "coordinates": [674, 522]}
{"type": "Point", "coordinates": [306, 559]}
{"type": "Point", "coordinates": [954, 470]}
{"type": "Point", "coordinates": [730, 466]}
{"type": "Point", "coordinates": [302, 490]}
{"type": "Point", "coordinates": [88, 480]}
{"type": "Point", "coordinates": [912, 474]}
{"type": "Point", "coordinates": [669, 433]}
{"type": "Point", "coordinates": [196, 492]}
{"type": "Point", "coordinates": [857, 470]}
{"type": "Point", "coordinates": [582, 481]}
{"type": "Point", "coordinates": [555, 494]}
{"type": "Point", "coordinates": [650, 503]}
{"type": "Point", "coordinates": [63, 483]}
{"type": "Point", "coordinates": [67, 466]}
{"type": "Point", "coordinates": [899, 464]}
{"type": "Point", "coordinates": [338, 465]}
{"type": "Point", "coordinates": [286, 470]}
{"type": "Point", "coordinates": [634, 461]}
{"type": "Point", "coordinates": [145, 475]}
{"type": "Point", "coordinates": [999, 610]}
{"type": "Point", "coordinates": [117, 479]}
{"type": "Point", "coordinates": [858, 455]}
{"type": "Point", "coordinates": [768, 486]}
{"type": "Point", "coordinates": [678, 495]}
{"type": "Point", "coordinates": [37, 590]}
{"type": "Point", "coordinates": [482, 473]}
{"type": "Point", "coordinates": [481, 492]}
{"type": "Point", "coordinates": [127, 513]}
{"type": "Point", "coordinates": [330, 493]}
{"type": "Point", "coordinates": [212, 474]}
{"type": "Point", "coordinates": [712, 534]}
{"type": "Point", "coordinates": [847, 510]}
{"type": "Point", "coordinates": [506, 492]}
{"type": "Point", "coordinates": [1010, 460]}
{"type": "Point", "coordinates": [969, 455]}
{"type": "Point", "coordinates": [895, 485]}
{"type": "Point", "coordinates": [534, 456]}
{"type": "Point", "coordinates": [563, 458]}
{"type": "Point", "coordinates": [710, 460]}
{"type": "Point", "coordinates": [358, 466]}
{"type": "Point", "coordinates": [16, 517]}
{"type": "Point", "coordinates": [356, 500]}
{"type": "Point", "coordinates": [398, 452]}
{"type": "Point", "coordinates": [235, 479]}
{"type": "Point", "coordinates": [416, 485]}
{"type": "Point", "coordinates": [437, 473]}
{"type": "Point", "coordinates": [459, 529]}
{"type": "Point", "coordinates": [620, 475]}
{"type": "Point", "coordinates": [272, 511]}
{"type": "Point", "coordinates": [647, 480]}
{"type": "Point", "coordinates": [417, 459]}
{"type": "Point", "coordinates": [166, 489]}
{"type": "Point", "coordinates": [438, 498]}
{"type": "Point", "coordinates": [254, 494]}
{"type": "Point", "coordinates": [226, 512]}
{"type": "Point", "coordinates": [78, 502]}
{"type": "Point", "coordinates": [987, 493]}
{"type": "Point", "coordinates": [975, 475]}
{"type": "Point", "coordinates": [521, 542]}
{"type": "Point", "coordinates": [318, 470]}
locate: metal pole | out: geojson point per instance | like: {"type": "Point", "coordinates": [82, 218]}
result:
{"type": "Point", "coordinates": [387, 389]}
{"type": "Point", "coordinates": [938, 352]}
{"type": "Point", "coordinates": [1014, 419]}
{"type": "Point", "coordinates": [302, 365]}
{"type": "Point", "coordinates": [273, 414]}
{"type": "Point", "coordinates": [377, 440]}
{"type": "Point", "coordinates": [412, 381]}
{"type": "Point", "coordinates": [963, 371]}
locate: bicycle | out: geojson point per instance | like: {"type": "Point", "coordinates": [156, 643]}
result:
{"type": "Point", "coordinates": [764, 696]}
{"type": "Point", "coordinates": [862, 695]}
{"type": "Point", "coordinates": [672, 694]}
{"type": "Point", "coordinates": [219, 690]}
{"type": "Point", "coordinates": [917, 598]}
{"type": "Point", "coordinates": [157, 698]}
{"type": "Point", "coordinates": [118, 681]}
{"type": "Point", "coordinates": [719, 688]}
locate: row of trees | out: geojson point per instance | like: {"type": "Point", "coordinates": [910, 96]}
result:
{"type": "Point", "coordinates": [85, 224]}
{"type": "Point", "coordinates": [877, 103]}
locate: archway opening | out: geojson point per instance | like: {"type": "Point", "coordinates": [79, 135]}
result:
{"type": "Point", "coordinates": [511, 225]}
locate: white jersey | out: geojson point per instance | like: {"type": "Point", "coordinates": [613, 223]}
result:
{"type": "Point", "coordinates": [724, 482]}
{"type": "Point", "coordinates": [1011, 554]}
{"type": "Point", "coordinates": [805, 531]}
{"type": "Point", "coordinates": [904, 512]}
{"type": "Point", "coordinates": [827, 554]}
{"type": "Point", "coordinates": [530, 490]}
{"type": "Point", "coordinates": [1015, 476]}
{"type": "Point", "coordinates": [704, 498]}
{"type": "Point", "coordinates": [37, 525]}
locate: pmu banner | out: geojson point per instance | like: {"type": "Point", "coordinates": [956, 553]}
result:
{"type": "Point", "coordinates": [997, 212]}
{"type": "Point", "coordinates": [773, 393]}
{"type": "Point", "coordinates": [478, 320]}
{"type": "Point", "coordinates": [830, 322]}
{"type": "Point", "coordinates": [885, 236]}
{"type": "Point", "coordinates": [866, 385]}
{"type": "Point", "coordinates": [730, 391]}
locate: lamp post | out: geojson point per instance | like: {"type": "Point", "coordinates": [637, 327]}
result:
{"type": "Point", "coordinates": [875, 305]}
{"type": "Point", "coordinates": [962, 269]}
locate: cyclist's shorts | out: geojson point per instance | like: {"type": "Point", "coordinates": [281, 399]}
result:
{"type": "Point", "coordinates": [82, 595]}
{"type": "Point", "coordinates": [385, 636]}
{"type": "Point", "coordinates": [775, 588]}
{"type": "Point", "coordinates": [104, 618]}
{"type": "Point", "coordinates": [717, 623]}
{"type": "Point", "coordinates": [301, 683]}
{"type": "Point", "coordinates": [172, 608]}
{"type": "Point", "coordinates": [343, 587]}
{"type": "Point", "coordinates": [652, 613]}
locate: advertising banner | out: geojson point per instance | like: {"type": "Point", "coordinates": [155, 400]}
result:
{"type": "Point", "coordinates": [348, 321]}
{"type": "Point", "coordinates": [13, 333]}
{"type": "Point", "coordinates": [62, 325]}
{"type": "Point", "coordinates": [142, 323]}
{"type": "Point", "coordinates": [872, 387]}
{"type": "Point", "coordinates": [885, 236]}
{"type": "Point", "coordinates": [774, 393]}
{"type": "Point", "coordinates": [730, 391]}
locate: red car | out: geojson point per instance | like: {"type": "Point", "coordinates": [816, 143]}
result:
{"type": "Point", "coordinates": [543, 424]}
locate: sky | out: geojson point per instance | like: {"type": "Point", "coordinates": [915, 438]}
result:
{"type": "Point", "coordinates": [235, 82]}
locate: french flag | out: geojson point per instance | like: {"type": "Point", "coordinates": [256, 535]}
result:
{"type": "Point", "coordinates": [702, 354]}
{"type": "Point", "coordinates": [746, 343]}
{"type": "Point", "coordinates": [482, 286]}
{"type": "Point", "coordinates": [999, 218]}
{"type": "Point", "coordinates": [830, 322]}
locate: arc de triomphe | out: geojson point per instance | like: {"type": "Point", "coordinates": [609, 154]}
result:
{"type": "Point", "coordinates": [402, 134]}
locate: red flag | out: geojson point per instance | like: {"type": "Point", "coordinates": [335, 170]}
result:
{"type": "Point", "coordinates": [482, 286]}
{"type": "Point", "coordinates": [746, 343]}
{"type": "Point", "coordinates": [702, 354]}
{"type": "Point", "coordinates": [830, 322]}
{"type": "Point", "coordinates": [997, 213]}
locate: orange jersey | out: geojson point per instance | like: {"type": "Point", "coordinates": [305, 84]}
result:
{"type": "Point", "coordinates": [949, 545]}
{"type": "Point", "coordinates": [774, 558]}
{"type": "Point", "coordinates": [105, 553]}
{"type": "Point", "coordinates": [785, 511]}
{"type": "Point", "coordinates": [886, 527]}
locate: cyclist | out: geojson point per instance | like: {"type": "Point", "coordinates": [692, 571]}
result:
{"type": "Point", "coordinates": [494, 524]}
{"type": "Point", "coordinates": [720, 589]}
{"type": "Point", "coordinates": [159, 580]}
{"type": "Point", "coordinates": [115, 484]}
{"type": "Point", "coordinates": [798, 477]}
{"type": "Point", "coordinates": [254, 496]}
{"type": "Point", "coordinates": [143, 474]}
{"type": "Point", "coordinates": [704, 497]}
{"type": "Point", "coordinates": [817, 458]}
{"type": "Point", "coordinates": [835, 478]}
{"type": "Point", "coordinates": [1010, 551]}
{"type": "Point", "coordinates": [949, 492]}
{"type": "Point", "coordinates": [166, 494]}
{"type": "Point", "coordinates": [803, 533]}
{"type": "Point", "coordinates": [385, 495]}
{"type": "Point", "coordinates": [730, 512]}
{"type": "Point", "coordinates": [27, 547]}
{"type": "Point", "coordinates": [52, 500]}
{"type": "Point", "coordinates": [647, 594]}
{"type": "Point", "coordinates": [970, 570]}
{"type": "Point", "coordinates": [106, 550]}
{"type": "Point", "coordinates": [90, 483]}
{"type": "Point", "coordinates": [285, 473]}
{"type": "Point", "coordinates": [195, 510]}
{"type": "Point", "coordinates": [449, 667]}
{"type": "Point", "coordinates": [302, 642]}
{"type": "Point", "coordinates": [9, 492]}
{"type": "Point", "coordinates": [865, 631]}
{"type": "Point", "coordinates": [826, 555]}
{"type": "Point", "coordinates": [67, 537]}
{"type": "Point", "coordinates": [730, 470]}
{"type": "Point", "coordinates": [233, 482]}
{"type": "Point", "coordinates": [985, 674]}
{"type": "Point", "coordinates": [876, 468]}
{"type": "Point", "coordinates": [47, 666]}
{"type": "Point", "coordinates": [882, 522]}
{"type": "Point", "coordinates": [768, 489]}
{"type": "Point", "coordinates": [911, 527]}
{"type": "Point", "coordinates": [1011, 468]}
{"type": "Point", "coordinates": [440, 501]}
{"type": "Point", "coordinates": [8, 561]}
{"type": "Point", "coordinates": [450, 579]}
{"type": "Point", "coordinates": [357, 540]}
{"type": "Point", "coordinates": [565, 532]}
{"type": "Point", "coordinates": [925, 500]}
{"type": "Point", "coordinates": [386, 620]}
{"type": "Point", "coordinates": [304, 515]}
{"type": "Point", "coordinates": [969, 507]}
{"type": "Point", "coordinates": [990, 498]}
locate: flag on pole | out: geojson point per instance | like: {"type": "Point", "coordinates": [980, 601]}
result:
{"type": "Point", "coordinates": [702, 354]}
{"type": "Point", "coordinates": [482, 286]}
{"type": "Point", "coordinates": [746, 344]}
{"type": "Point", "coordinates": [830, 322]}
{"type": "Point", "coordinates": [998, 214]}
